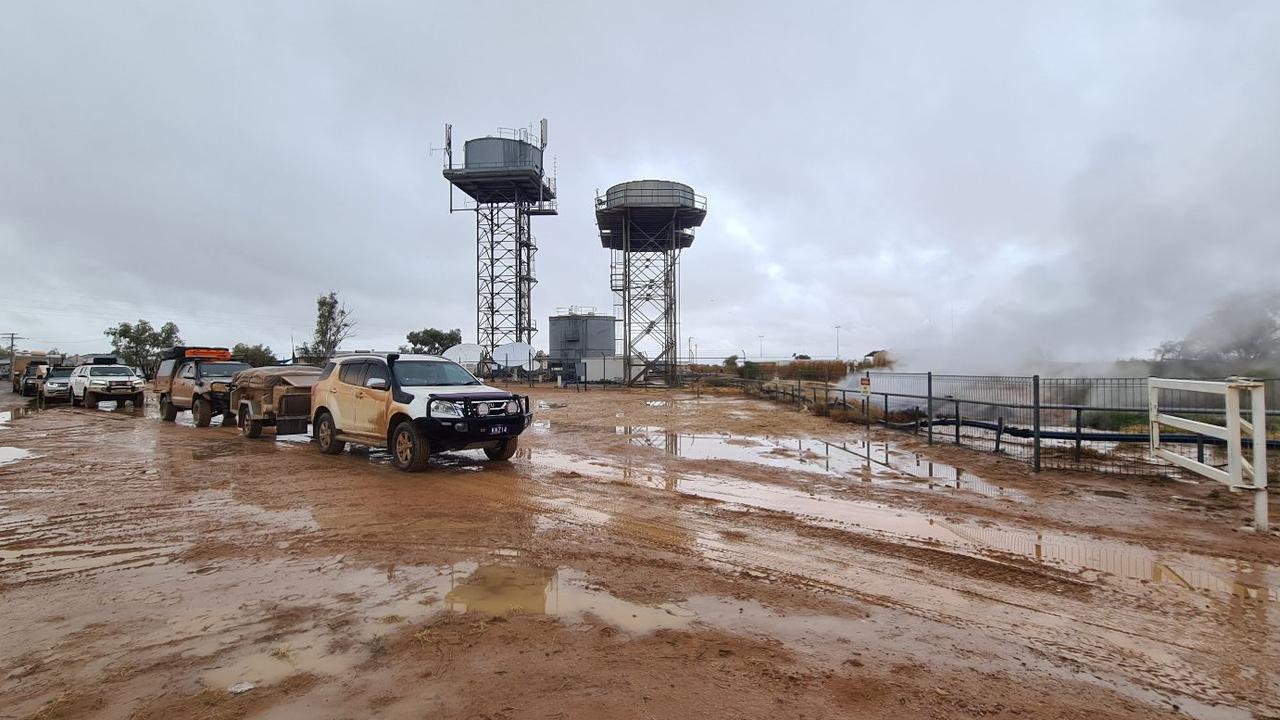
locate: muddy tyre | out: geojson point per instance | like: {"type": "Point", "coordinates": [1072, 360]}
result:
{"type": "Point", "coordinates": [503, 451]}
{"type": "Point", "coordinates": [249, 427]}
{"type": "Point", "coordinates": [327, 435]}
{"type": "Point", "coordinates": [410, 449]}
{"type": "Point", "coordinates": [168, 412]}
{"type": "Point", "coordinates": [91, 400]}
{"type": "Point", "coordinates": [74, 401]}
{"type": "Point", "coordinates": [138, 400]}
{"type": "Point", "coordinates": [202, 412]}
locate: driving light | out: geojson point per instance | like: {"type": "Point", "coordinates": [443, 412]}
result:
{"type": "Point", "coordinates": [513, 407]}
{"type": "Point", "coordinates": [482, 409]}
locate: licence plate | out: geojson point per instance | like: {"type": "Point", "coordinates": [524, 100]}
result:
{"type": "Point", "coordinates": [497, 430]}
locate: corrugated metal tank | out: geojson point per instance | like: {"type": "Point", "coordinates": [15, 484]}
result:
{"type": "Point", "coordinates": [573, 337]}
{"type": "Point", "coordinates": [494, 153]}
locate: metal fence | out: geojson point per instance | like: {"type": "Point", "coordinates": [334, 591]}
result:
{"type": "Point", "coordinates": [1097, 424]}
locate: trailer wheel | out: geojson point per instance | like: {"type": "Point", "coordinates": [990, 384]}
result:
{"type": "Point", "coordinates": [249, 427]}
{"type": "Point", "coordinates": [327, 435]}
{"type": "Point", "coordinates": [503, 451]}
{"type": "Point", "coordinates": [202, 412]}
{"type": "Point", "coordinates": [168, 412]}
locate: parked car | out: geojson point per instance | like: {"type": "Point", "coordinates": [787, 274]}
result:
{"type": "Point", "coordinates": [56, 384]}
{"type": "Point", "coordinates": [414, 405]}
{"type": "Point", "coordinates": [104, 381]}
{"type": "Point", "coordinates": [28, 383]}
{"type": "Point", "coordinates": [18, 370]}
{"type": "Point", "coordinates": [276, 396]}
{"type": "Point", "coordinates": [196, 379]}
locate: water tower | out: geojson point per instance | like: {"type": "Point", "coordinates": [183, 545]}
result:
{"type": "Point", "coordinates": [505, 180]}
{"type": "Point", "coordinates": [646, 223]}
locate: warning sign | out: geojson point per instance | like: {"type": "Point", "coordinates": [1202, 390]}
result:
{"type": "Point", "coordinates": [864, 384]}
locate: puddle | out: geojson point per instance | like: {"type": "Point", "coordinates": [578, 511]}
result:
{"type": "Point", "coordinates": [9, 455]}
{"type": "Point", "coordinates": [510, 587]}
{"type": "Point", "coordinates": [19, 565]}
{"type": "Point", "coordinates": [857, 460]}
{"type": "Point", "coordinates": [1199, 573]}
{"type": "Point", "coordinates": [302, 652]}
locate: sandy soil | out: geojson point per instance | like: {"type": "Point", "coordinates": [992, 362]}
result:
{"type": "Point", "coordinates": [646, 555]}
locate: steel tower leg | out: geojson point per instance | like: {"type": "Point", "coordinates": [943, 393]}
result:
{"type": "Point", "coordinates": [505, 275]}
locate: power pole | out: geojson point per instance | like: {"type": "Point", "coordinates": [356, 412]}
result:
{"type": "Point", "coordinates": [13, 357]}
{"type": "Point", "coordinates": [837, 342]}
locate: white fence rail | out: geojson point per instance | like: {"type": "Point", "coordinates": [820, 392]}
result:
{"type": "Point", "coordinates": [1240, 473]}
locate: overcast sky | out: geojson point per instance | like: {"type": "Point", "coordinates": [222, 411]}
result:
{"type": "Point", "coordinates": [971, 183]}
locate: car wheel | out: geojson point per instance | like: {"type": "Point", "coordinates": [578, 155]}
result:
{"type": "Point", "coordinates": [410, 449]}
{"type": "Point", "coordinates": [168, 412]}
{"type": "Point", "coordinates": [249, 427]}
{"type": "Point", "coordinates": [91, 400]}
{"type": "Point", "coordinates": [327, 435]}
{"type": "Point", "coordinates": [72, 394]}
{"type": "Point", "coordinates": [139, 399]}
{"type": "Point", "coordinates": [202, 412]}
{"type": "Point", "coordinates": [503, 451]}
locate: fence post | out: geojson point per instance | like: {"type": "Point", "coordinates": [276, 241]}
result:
{"type": "Point", "coordinates": [957, 422]}
{"type": "Point", "coordinates": [1035, 401]}
{"type": "Point", "coordinates": [999, 431]}
{"type": "Point", "coordinates": [886, 410]}
{"type": "Point", "coordinates": [1079, 412]}
{"type": "Point", "coordinates": [929, 404]}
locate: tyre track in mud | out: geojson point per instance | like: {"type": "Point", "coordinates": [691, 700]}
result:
{"type": "Point", "coordinates": [1071, 638]}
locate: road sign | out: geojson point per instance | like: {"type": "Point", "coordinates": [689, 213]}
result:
{"type": "Point", "coordinates": [864, 384]}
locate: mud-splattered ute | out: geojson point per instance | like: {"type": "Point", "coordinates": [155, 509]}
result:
{"type": "Point", "coordinates": [413, 405]}
{"type": "Point", "coordinates": [196, 379]}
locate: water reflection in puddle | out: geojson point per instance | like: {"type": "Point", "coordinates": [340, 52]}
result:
{"type": "Point", "coordinates": [508, 587]}
{"type": "Point", "coordinates": [1077, 554]}
{"type": "Point", "coordinates": [10, 455]}
{"type": "Point", "coordinates": [866, 461]}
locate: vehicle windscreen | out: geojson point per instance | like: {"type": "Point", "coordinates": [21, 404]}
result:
{"type": "Point", "coordinates": [108, 371]}
{"type": "Point", "coordinates": [221, 369]}
{"type": "Point", "coordinates": [60, 372]}
{"type": "Point", "coordinates": [417, 373]}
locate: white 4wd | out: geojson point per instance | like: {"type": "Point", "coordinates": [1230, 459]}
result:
{"type": "Point", "coordinates": [414, 405]}
{"type": "Point", "coordinates": [91, 384]}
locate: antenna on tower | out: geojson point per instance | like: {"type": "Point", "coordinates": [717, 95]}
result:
{"type": "Point", "coordinates": [448, 143]}
{"type": "Point", "coordinates": [543, 137]}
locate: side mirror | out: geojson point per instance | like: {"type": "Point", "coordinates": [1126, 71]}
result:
{"type": "Point", "coordinates": [376, 383]}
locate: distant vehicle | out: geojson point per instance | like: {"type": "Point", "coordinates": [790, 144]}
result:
{"type": "Point", "coordinates": [277, 396]}
{"type": "Point", "coordinates": [56, 384]}
{"type": "Point", "coordinates": [196, 379]}
{"type": "Point", "coordinates": [414, 405]}
{"type": "Point", "coordinates": [28, 382]}
{"type": "Point", "coordinates": [104, 380]}
{"type": "Point", "coordinates": [19, 370]}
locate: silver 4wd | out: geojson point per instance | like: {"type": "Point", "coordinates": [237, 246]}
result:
{"type": "Point", "coordinates": [413, 405]}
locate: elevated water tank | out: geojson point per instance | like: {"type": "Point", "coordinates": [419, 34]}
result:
{"type": "Point", "coordinates": [499, 153]}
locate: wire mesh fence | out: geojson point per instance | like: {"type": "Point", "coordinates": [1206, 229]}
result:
{"type": "Point", "coordinates": [1095, 424]}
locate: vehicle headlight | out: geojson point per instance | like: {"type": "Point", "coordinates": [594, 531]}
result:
{"type": "Point", "coordinates": [445, 408]}
{"type": "Point", "coordinates": [55, 386]}
{"type": "Point", "coordinates": [99, 383]}
{"type": "Point", "coordinates": [513, 407]}
{"type": "Point", "coordinates": [136, 381]}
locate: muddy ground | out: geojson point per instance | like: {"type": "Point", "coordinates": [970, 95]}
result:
{"type": "Point", "coordinates": [646, 555]}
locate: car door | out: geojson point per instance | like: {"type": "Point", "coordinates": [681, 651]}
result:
{"type": "Point", "coordinates": [371, 403]}
{"type": "Point", "coordinates": [75, 384]}
{"type": "Point", "coordinates": [344, 393]}
{"type": "Point", "coordinates": [184, 383]}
